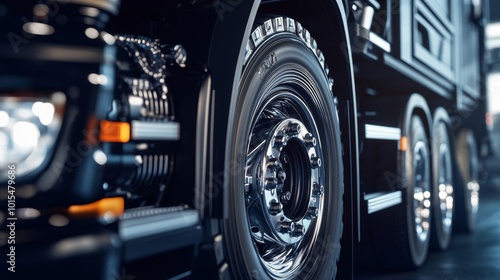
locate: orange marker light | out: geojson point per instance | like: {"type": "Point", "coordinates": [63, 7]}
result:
{"type": "Point", "coordinates": [114, 132]}
{"type": "Point", "coordinates": [403, 144]}
{"type": "Point", "coordinates": [113, 205]}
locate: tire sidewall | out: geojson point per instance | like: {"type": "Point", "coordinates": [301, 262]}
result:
{"type": "Point", "coordinates": [289, 51]}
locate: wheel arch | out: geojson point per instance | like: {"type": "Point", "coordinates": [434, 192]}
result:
{"type": "Point", "coordinates": [417, 104]}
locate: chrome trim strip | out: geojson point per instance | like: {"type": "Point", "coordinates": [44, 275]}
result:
{"type": "Point", "coordinates": [382, 132]}
{"type": "Point", "coordinates": [156, 131]}
{"type": "Point", "coordinates": [379, 42]}
{"type": "Point", "coordinates": [380, 201]}
{"type": "Point", "coordinates": [150, 225]}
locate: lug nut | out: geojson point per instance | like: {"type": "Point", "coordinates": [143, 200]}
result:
{"type": "Point", "coordinates": [271, 180]}
{"type": "Point", "coordinates": [271, 184]}
{"type": "Point", "coordinates": [299, 230]}
{"type": "Point", "coordinates": [293, 129]}
{"type": "Point", "coordinates": [310, 140]}
{"type": "Point", "coordinates": [285, 159]}
{"type": "Point", "coordinates": [281, 175]}
{"type": "Point", "coordinates": [312, 212]}
{"type": "Point", "coordinates": [286, 226]}
{"type": "Point", "coordinates": [279, 141]}
{"type": "Point", "coordinates": [318, 189]}
{"type": "Point", "coordinates": [274, 207]}
{"type": "Point", "coordinates": [315, 162]}
{"type": "Point", "coordinates": [286, 196]}
{"type": "Point", "coordinates": [272, 161]}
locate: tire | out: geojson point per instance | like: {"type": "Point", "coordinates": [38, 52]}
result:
{"type": "Point", "coordinates": [418, 196]}
{"type": "Point", "coordinates": [467, 197]}
{"type": "Point", "coordinates": [286, 182]}
{"type": "Point", "coordinates": [443, 188]}
{"type": "Point", "coordinates": [408, 245]}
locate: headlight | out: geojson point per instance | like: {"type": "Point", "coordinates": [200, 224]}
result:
{"type": "Point", "coordinates": [29, 125]}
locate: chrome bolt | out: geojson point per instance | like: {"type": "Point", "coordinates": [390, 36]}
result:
{"type": "Point", "coordinates": [315, 162]}
{"type": "Point", "coordinates": [279, 141]}
{"type": "Point", "coordinates": [318, 189]}
{"type": "Point", "coordinates": [272, 162]}
{"type": "Point", "coordinates": [312, 212]}
{"type": "Point", "coordinates": [310, 140]}
{"type": "Point", "coordinates": [286, 196]}
{"type": "Point", "coordinates": [293, 128]}
{"type": "Point", "coordinates": [286, 226]}
{"type": "Point", "coordinates": [285, 159]}
{"type": "Point", "coordinates": [271, 180]}
{"type": "Point", "coordinates": [299, 230]}
{"type": "Point", "coordinates": [271, 184]}
{"type": "Point", "coordinates": [274, 207]}
{"type": "Point", "coordinates": [281, 175]}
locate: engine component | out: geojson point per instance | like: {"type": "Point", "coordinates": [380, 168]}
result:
{"type": "Point", "coordinates": [140, 164]}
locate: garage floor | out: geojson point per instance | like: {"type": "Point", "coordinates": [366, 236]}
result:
{"type": "Point", "coordinates": [470, 256]}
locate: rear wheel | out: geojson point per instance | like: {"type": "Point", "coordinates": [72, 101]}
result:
{"type": "Point", "coordinates": [409, 236]}
{"type": "Point", "coordinates": [443, 192]}
{"type": "Point", "coordinates": [467, 198]}
{"type": "Point", "coordinates": [418, 196]}
{"type": "Point", "coordinates": [286, 184]}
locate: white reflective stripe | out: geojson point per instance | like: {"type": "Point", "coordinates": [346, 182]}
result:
{"type": "Point", "coordinates": [147, 226]}
{"type": "Point", "coordinates": [382, 132]}
{"type": "Point", "coordinates": [379, 42]}
{"type": "Point", "coordinates": [381, 201]}
{"type": "Point", "coordinates": [169, 131]}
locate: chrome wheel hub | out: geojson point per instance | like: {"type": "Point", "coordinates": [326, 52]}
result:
{"type": "Point", "coordinates": [284, 191]}
{"type": "Point", "coordinates": [290, 186]}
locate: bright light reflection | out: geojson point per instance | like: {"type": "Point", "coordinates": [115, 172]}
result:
{"type": "Point", "coordinates": [97, 79]}
{"type": "Point", "coordinates": [44, 111]}
{"type": "Point", "coordinates": [4, 119]}
{"type": "Point", "coordinates": [427, 203]}
{"type": "Point", "coordinates": [92, 33]}
{"type": "Point", "coordinates": [494, 93]}
{"type": "Point", "coordinates": [38, 28]}
{"type": "Point", "coordinates": [25, 134]}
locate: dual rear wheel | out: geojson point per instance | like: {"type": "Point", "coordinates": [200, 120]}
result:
{"type": "Point", "coordinates": [432, 204]}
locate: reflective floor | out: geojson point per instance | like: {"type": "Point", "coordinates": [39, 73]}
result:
{"type": "Point", "coordinates": [470, 256]}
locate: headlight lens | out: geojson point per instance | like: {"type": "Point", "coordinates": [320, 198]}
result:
{"type": "Point", "coordinates": [29, 126]}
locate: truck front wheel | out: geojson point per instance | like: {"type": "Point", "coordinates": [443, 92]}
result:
{"type": "Point", "coordinates": [286, 184]}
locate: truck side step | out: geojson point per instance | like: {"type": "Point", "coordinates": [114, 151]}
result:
{"type": "Point", "coordinates": [382, 200]}
{"type": "Point", "coordinates": [148, 231]}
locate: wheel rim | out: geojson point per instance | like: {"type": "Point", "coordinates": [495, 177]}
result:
{"type": "Point", "coordinates": [421, 191]}
{"type": "Point", "coordinates": [473, 185]}
{"type": "Point", "coordinates": [284, 182]}
{"type": "Point", "coordinates": [445, 189]}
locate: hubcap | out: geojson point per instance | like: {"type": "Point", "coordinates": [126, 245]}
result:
{"type": "Point", "coordinates": [422, 194]}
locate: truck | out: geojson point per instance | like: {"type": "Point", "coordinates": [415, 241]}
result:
{"type": "Point", "coordinates": [237, 139]}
